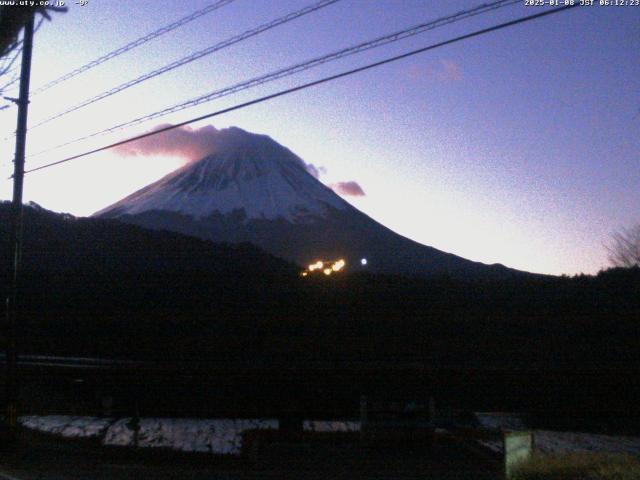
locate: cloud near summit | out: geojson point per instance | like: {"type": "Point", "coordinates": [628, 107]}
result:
{"type": "Point", "coordinates": [184, 142]}
{"type": "Point", "coordinates": [350, 188]}
{"type": "Point", "coordinates": [192, 144]}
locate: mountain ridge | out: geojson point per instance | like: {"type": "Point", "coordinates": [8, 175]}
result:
{"type": "Point", "coordinates": [252, 189]}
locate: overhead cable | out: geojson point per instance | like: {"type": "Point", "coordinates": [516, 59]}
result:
{"type": "Point", "coordinates": [134, 44]}
{"type": "Point", "coordinates": [310, 84]}
{"type": "Point", "coordinates": [299, 67]}
{"type": "Point", "coordinates": [190, 58]}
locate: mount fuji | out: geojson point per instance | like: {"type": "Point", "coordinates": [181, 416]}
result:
{"type": "Point", "coordinates": [252, 189]}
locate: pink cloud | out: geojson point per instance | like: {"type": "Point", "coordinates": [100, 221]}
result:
{"type": "Point", "coordinates": [350, 188]}
{"type": "Point", "coordinates": [450, 70]}
{"type": "Point", "coordinates": [185, 142]}
{"type": "Point", "coordinates": [444, 71]}
{"type": "Point", "coordinates": [415, 72]}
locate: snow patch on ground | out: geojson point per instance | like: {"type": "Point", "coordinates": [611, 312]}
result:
{"type": "Point", "coordinates": [219, 436]}
{"type": "Point", "coordinates": [224, 436]}
{"type": "Point", "coordinates": [67, 426]}
{"type": "Point", "coordinates": [549, 442]}
{"type": "Point", "coordinates": [330, 426]}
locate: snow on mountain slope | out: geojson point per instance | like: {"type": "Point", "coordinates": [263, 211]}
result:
{"type": "Point", "coordinates": [247, 172]}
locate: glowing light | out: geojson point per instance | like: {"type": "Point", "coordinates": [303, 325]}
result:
{"type": "Point", "coordinates": [325, 266]}
{"type": "Point", "coordinates": [363, 261]}
{"type": "Point", "coordinates": [337, 266]}
{"type": "Point", "coordinates": [316, 266]}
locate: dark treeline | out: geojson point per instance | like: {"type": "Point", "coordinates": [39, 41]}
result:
{"type": "Point", "coordinates": [96, 287]}
{"type": "Point", "coordinates": [102, 288]}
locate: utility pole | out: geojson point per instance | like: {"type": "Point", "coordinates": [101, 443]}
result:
{"type": "Point", "coordinates": [15, 229]}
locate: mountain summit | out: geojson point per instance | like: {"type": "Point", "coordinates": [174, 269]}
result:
{"type": "Point", "coordinates": [247, 173]}
{"type": "Point", "coordinates": [252, 189]}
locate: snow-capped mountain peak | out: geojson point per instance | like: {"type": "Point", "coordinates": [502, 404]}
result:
{"type": "Point", "coordinates": [246, 172]}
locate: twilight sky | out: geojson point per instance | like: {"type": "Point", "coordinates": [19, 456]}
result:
{"type": "Point", "coordinates": [519, 147]}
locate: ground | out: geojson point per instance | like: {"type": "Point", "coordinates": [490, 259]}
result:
{"type": "Point", "coordinates": [44, 458]}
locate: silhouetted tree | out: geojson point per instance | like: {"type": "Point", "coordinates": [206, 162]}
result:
{"type": "Point", "coordinates": [12, 21]}
{"type": "Point", "coordinates": [624, 249]}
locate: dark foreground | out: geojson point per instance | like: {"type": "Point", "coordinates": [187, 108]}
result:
{"type": "Point", "coordinates": [229, 331]}
{"type": "Point", "coordinates": [44, 458]}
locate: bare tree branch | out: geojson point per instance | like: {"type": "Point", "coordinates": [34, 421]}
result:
{"type": "Point", "coordinates": [624, 249]}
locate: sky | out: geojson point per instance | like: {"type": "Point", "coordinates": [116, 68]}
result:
{"type": "Point", "coordinates": [518, 147]}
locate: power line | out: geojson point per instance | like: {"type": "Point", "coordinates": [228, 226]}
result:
{"type": "Point", "coordinates": [134, 44]}
{"type": "Point", "coordinates": [310, 84]}
{"type": "Point", "coordinates": [285, 72]}
{"type": "Point", "coordinates": [297, 68]}
{"type": "Point", "coordinates": [9, 63]}
{"type": "Point", "coordinates": [14, 77]}
{"type": "Point", "coordinates": [5, 69]}
{"type": "Point", "coordinates": [194, 56]}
